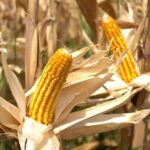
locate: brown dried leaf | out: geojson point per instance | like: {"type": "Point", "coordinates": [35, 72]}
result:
{"type": "Point", "coordinates": [88, 41]}
{"type": "Point", "coordinates": [13, 110]}
{"type": "Point", "coordinates": [114, 85]}
{"type": "Point", "coordinates": [91, 60]}
{"type": "Point", "coordinates": [133, 44]}
{"type": "Point", "coordinates": [78, 56]}
{"type": "Point", "coordinates": [8, 120]}
{"type": "Point", "coordinates": [146, 40]}
{"type": "Point", "coordinates": [101, 98]}
{"type": "Point", "coordinates": [142, 80]}
{"type": "Point", "coordinates": [107, 7]}
{"type": "Point", "coordinates": [103, 123]}
{"type": "Point", "coordinates": [92, 70]}
{"type": "Point", "coordinates": [33, 9]}
{"type": "Point", "coordinates": [31, 52]}
{"type": "Point", "coordinates": [89, 10]}
{"type": "Point", "coordinates": [70, 91]}
{"type": "Point", "coordinates": [8, 132]}
{"type": "Point", "coordinates": [52, 28]}
{"type": "Point", "coordinates": [74, 96]}
{"type": "Point", "coordinates": [126, 24]}
{"type": "Point", "coordinates": [15, 87]}
{"type": "Point", "coordinates": [139, 129]}
{"type": "Point", "coordinates": [79, 116]}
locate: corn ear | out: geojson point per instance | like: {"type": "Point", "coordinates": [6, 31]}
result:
{"type": "Point", "coordinates": [43, 100]}
{"type": "Point", "coordinates": [127, 69]}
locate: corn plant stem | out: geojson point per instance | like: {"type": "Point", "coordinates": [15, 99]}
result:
{"type": "Point", "coordinates": [33, 10]}
{"type": "Point", "coordinates": [32, 44]}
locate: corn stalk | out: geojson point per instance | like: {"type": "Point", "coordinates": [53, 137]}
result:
{"type": "Point", "coordinates": [32, 44]}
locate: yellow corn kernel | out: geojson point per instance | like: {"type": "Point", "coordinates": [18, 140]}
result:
{"type": "Point", "coordinates": [43, 101]}
{"type": "Point", "coordinates": [127, 69]}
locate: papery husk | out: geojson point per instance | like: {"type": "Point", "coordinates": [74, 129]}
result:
{"type": "Point", "coordinates": [78, 96]}
{"type": "Point", "coordinates": [116, 87]}
{"type": "Point", "coordinates": [142, 80]}
{"type": "Point", "coordinates": [114, 84]}
{"type": "Point", "coordinates": [36, 136]}
{"type": "Point", "coordinates": [78, 116]}
{"type": "Point", "coordinates": [91, 69]}
{"type": "Point", "coordinates": [103, 123]}
{"type": "Point", "coordinates": [79, 62]}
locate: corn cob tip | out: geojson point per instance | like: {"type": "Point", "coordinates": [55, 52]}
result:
{"type": "Point", "coordinates": [106, 18]}
{"type": "Point", "coordinates": [64, 52]}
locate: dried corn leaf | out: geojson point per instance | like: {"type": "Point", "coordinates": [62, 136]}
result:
{"type": "Point", "coordinates": [89, 10]}
{"type": "Point", "coordinates": [139, 129]}
{"type": "Point", "coordinates": [88, 41]}
{"type": "Point", "coordinates": [70, 101]}
{"type": "Point", "coordinates": [52, 28]}
{"type": "Point", "coordinates": [92, 70]}
{"type": "Point", "coordinates": [77, 117]}
{"type": "Point", "coordinates": [33, 9]}
{"type": "Point", "coordinates": [116, 87]}
{"type": "Point", "coordinates": [142, 80]}
{"type": "Point", "coordinates": [79, 53]}
{"type": "Point", "coordinates": [134, 42]}
{"type": "Point", "coordinates": [14, 111]}
{"type": "Point", "coordinates": [93, 59]}
{"type": "Point", "coordinates": [115, 84]}
{"type": "Point", "coordinates": [78, 56]}
{"type": "Point", "coordinates": [8, 132]}
{"type": "Point", "coordinates": [107, 7]}
{"type": "Point", "coordinates": [126, 24]}
{"type": "Point", "coordinates": [31, 52]}
{"type": "Point", "coordinates": [15, 87]}
{"type": "Point", "coordinates": [71, 91]}
{"type": "Point", "coordinates": [7, 119]}
{"type": "Point", "coordinates": [103, 123]}
{"type": "Point", "coordinates": [105, 97]}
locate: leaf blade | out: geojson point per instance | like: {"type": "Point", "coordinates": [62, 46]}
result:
{"type": "Point", "coordinates": [15, 86]}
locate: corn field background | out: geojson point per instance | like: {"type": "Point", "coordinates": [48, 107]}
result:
{"type": "Point", "coordinates": [30, 33]}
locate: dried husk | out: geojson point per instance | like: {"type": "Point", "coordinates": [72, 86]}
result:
{"type": "Point", "coordinates": [32, 136]}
